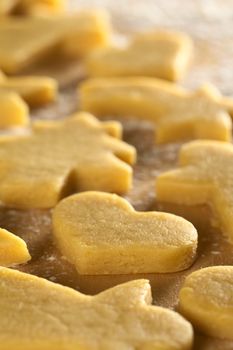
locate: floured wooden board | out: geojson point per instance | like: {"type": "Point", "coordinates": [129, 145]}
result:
{"type": "Point", "coordinates": [211, 30]}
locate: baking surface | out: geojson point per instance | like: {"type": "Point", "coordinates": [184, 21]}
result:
{"type": "Point", "coordinates": [210, 28]}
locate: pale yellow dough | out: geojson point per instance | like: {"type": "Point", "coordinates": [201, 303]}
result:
{"type": "Point", "coordinates": [178, 114]}
{"type": "Point", "coordinates": [94, 32]}
{"type": "Point", "coordinates": [13, 110]}
{"type": "Point", "coordinates": [36, 91]}
{"type": "Point", "coordinates": [6, 6]}
{"type": "Point", "coordinates": [13, 250]}
{"type": "Point", "coordinates": [60, 157]}
{"type": "Point", "coordinates": [26, 39]}
{"type": "Point", "coordinates": [100, 233]}
{"type": "Point", "coordinates": [31, 6]}
{"type": "Point", "coordinates": [206, 300]}
{"type": "Point", "coordinates": [205, 175]}
{"type": "Point", "coordinates": [40, 7]}
{"type": "Point", "coordinates": [38, 314]}
{"type": "Point", "coordinates": [160, 54]}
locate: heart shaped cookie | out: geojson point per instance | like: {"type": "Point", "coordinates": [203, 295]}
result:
{"type": "Point", "coordinates": [206, 299]}
{"type": "Point", "coordinates": [101, 233]}
{"type": "Point", "coordinates": [38, 314]}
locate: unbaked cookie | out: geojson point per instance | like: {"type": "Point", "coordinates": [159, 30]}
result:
{"type": "Point", "coordinates": [61, 157]}
{"type": "Point", "coordinates": [178, 114]}
{"type": "Point", "coordinates": [101, 233]}
{"type": "Point", "coordinates": [38, 314]}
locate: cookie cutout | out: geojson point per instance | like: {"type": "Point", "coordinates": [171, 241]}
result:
{"type": "Point", "coordinates": [61, 157]}
{"type": "Point", "coordinates": [204, 176]}
{"type": "Point", "coordinates": [94, 32]}
{"type": "Point", "coordinates": [24, 40]}
{"type": "Point", "coordinates": [55, 317]}
{"type": "Point", "coordinates": [160, 54]}
{"type": "Point", "coordinates": [178, 114]}
{"type": "Point", "coordinates": [13, 110]}
{"type": "Point", "coordinates": [101, 233]}
{"type": "Point", "coordinates": [36, 91]}
{"type": "Point", "coordinates": [13, 250]}
{"type": "Point", "coordinates": [206, 299]}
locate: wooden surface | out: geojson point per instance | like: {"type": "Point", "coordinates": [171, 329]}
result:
{"type": "Point", "coordinates": [210, 24]}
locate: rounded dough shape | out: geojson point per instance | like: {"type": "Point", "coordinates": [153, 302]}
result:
{"type": "Point", "coordinates": [206, 300]}
{"type": "Point", "coordinates": [101, 233]}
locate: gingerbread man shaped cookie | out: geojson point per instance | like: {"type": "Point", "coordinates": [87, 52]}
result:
{"type": "Point", "coordinates": [38, 314]}
{"type": "Point", "coordinates": [205, 175]}
{"type": "Point", "coordinates": [60, 157]}
{"type": "Point", "coordinates": [178, 114]}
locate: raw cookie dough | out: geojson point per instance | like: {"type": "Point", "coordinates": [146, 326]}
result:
{"type": "Point", "coordinates": [13, 250]}
{"type": "Point", "coordinates": [35, 7]}
{"type": "Point", "coordinates": [24, 40]}
{"type": "Point", "coordinates": [31, 6]}
{"type": "Point", "coordinates": [61, 157]}
{"type": "Point", "coordinates": [177, 113]}
{"type": "Point", "coordinates": [206, 300]}
{"type": "Point", "coordinates": [101, 233]}
{"type": "Point", "coordinates": [160, 54]}
{"type": "Point", "coordinates": [205, 175]}
{"type": "Point", "coordinates": [36, 91]}
{"type": "Point", "coordinates": [13, 110]}
{"type": "Point", "coordinates": [38, 314]}
{"type": "Point", "coordinates": [6, 6]}
{"type": "Point", "coordinates": [94, 32]}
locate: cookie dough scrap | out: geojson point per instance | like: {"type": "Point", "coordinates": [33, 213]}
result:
{"type": "Point", "coordinates": [206, 300]}
{"type": "Point", "coordinates": [31, 6]}
{"type": "Point", "coordinates": [6, 6]}
{"type": "Point", "coordinates": [24, 40]}
{"type": "Point", "coordinates": [160, 54]}
{"type": "Point", "coordinates": [40, 7]}
{"type": "Point", "coordinates": [204, 176]}
{"type": "Point", "coordinates": [178, 114]}
{"type": "Point", "coordinates": [13, 250]}
{"type": "Point", "coordinates": [118, 318]}
{"type": "Point", "coordinates": [36, 91]}
{"type": "Point", "coordinates": [61, 157]}
{"type": "Point", "coordinates": [124, 241]}
{"type": "Point", "coordinates": [13, 110]}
